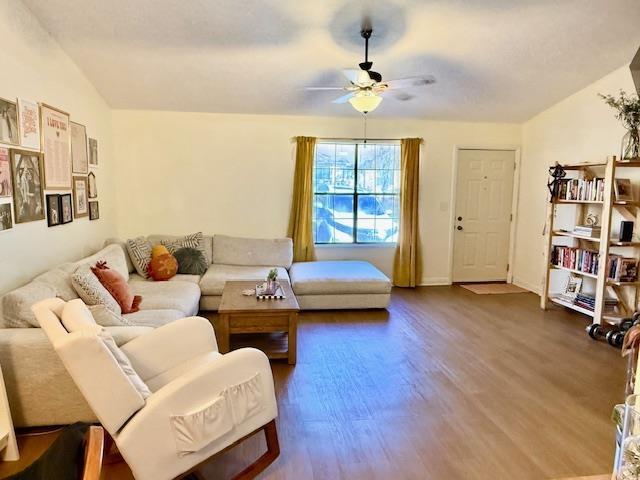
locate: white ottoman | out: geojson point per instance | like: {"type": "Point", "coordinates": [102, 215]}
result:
{"type": "Point", "coordinates": [339, 284]}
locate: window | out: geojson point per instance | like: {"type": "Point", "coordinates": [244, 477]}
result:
{"type": "Point", "coordinates": [356, 192]}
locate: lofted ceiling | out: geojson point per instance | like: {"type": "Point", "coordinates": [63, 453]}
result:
{"type": "Point", "coordinates": [494, 60]}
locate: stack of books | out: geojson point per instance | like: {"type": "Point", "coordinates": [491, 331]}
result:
{"type": "Point", "coordinates": [588, 301]}
{"type": "Point", "coordinates": [587, 231]}
{"type": "Point", "coordinates": [576, 259]}
{"type": "Point", "coordinates": [581, 189]}
{"type": "Point", "coordinates": [622, 269]}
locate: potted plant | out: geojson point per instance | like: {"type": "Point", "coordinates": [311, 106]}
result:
{"type": "Point", "coordinates": [628, 108]}
{"type": "Point", "coordinates": [272, 284]}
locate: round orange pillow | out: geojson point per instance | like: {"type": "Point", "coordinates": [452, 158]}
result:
{"type": "Point", "coordinates": [163, 267]}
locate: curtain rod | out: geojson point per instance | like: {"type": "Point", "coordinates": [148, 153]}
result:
{"type": "Point", "coordinates": [293, 139]}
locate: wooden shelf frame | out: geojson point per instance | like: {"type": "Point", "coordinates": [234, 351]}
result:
{"type": "Point", "coordinates": [626, 303]}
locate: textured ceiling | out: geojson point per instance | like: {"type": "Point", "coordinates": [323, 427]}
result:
{"type": "Point", "coordinates": [494, 60]}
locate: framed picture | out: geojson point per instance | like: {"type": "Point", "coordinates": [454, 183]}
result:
{"type": "Point", "coordinates": [572, 287]}
{"type": "Point", "coordinates": [29, 122]}
{"type": "Point", "coordinates": [93, 153]}
{"type": "Point", "coordinates": [622, 190]}
{"type": "Point", "coordinates": [79, 154]}
{"type": "Point", "coordinates": [54, 216]}
{"type": "Point", "coordinates": [26, 174]}
{"type": "Point", "coordinates": [5, 217]}
{"type": "Point", "coordinates": [5, 173]}
{"type": "Point", "coordinates": [93, 189]}
{"type": "Point", "coordinates": [9, 122]}
{"type": "Point", "coordinates": [80, 200]}
{"type": "Point", "coordinates": [56, 143]}
{"type": "Point", "coordinates": [66, 209]}
{"type": "Point", "coordinates": [94, 211]}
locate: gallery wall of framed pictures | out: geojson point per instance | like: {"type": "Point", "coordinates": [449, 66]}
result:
{"type": "Point", "coordinates": [47, 166]}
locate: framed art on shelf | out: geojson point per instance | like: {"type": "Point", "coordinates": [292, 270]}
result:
{"type": "Point", "coordinates": [93, 189]}
{"type": "Point", "coordinates": [79, 154]}
{"type": "Point", "coordinates": [622, 190]}
{"type": "Point", "coordinates": [94, 211]}
{"type": "Point", "coordinates": [66, 208]}
{"type": "Point", "coordinates": [29, 122]}
{"type": "Point", "coordinates": [56, 144]}
{"type": "Point", "coordinates": [28, 198]}
{"type": "Point", "coordinates": [5, 217]}
{"type": "Point", "coordinates": [93, 153]}
{"type": "Point", "coordinates": [54, 216]}
{"type": "Point", "coordinates": [5, 173]}
{"type": "Point", "coordinates": [9, 122]}
{"type": "Point", "coordinates": [80, 201]}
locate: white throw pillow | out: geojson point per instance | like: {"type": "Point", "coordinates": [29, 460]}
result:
{"type": "Point", "coordinates": [139, 249]}
{"type": "Point", "coordinates": [106, 318]}
{"type": "Point", "coordinates": [124, 363]}
{"type": "Point", "coordinates": [195, 240]}
{"type": "Point", "coordinates": [91, 291]}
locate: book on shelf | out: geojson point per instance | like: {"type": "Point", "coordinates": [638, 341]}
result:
{"type": "Point", "coordinates": [622, 269]}
{"type": "Point", "coordinates": [588, 301]}
{"type": "Point", "coordinates": [578, 259]}
{"type": "Point", "coordinates": [587, 230]}
{"type": "Point", "coordinates": [582, 189]}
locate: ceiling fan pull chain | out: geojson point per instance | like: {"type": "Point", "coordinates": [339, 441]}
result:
{"type": "Point", "coordinates": [364, 117]}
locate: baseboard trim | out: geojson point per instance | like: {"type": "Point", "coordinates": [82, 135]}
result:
{"type": "Point", "coordinates": [435, 282]}
{"type": "Point", "coordinates": [529, 286]}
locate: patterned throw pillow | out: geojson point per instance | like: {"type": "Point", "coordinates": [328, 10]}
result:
{"type": "Point", "coordinates": [195, 240]}
{"type": "Point", "coordinates": [139, 249]}
{"type": "Point", "coordinates": [117, 286]}
{"type": "Point", "coordinates": [191, 261]}
{"type": "Point", "coordinates": [91, 291]}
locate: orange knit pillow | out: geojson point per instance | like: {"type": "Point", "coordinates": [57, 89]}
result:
{"type": "Point", "coordinates": [117, 286]}
{"type": "Point", "coordinates": [162, 267]}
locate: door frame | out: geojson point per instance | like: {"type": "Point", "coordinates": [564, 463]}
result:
{"type": "Point", "coordinates": [514, 201]}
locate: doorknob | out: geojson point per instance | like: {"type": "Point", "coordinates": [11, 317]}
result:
{"type": "Point", "coordinates": [459, 227]}
{"type": "Point", "coordinates": [459, 218]}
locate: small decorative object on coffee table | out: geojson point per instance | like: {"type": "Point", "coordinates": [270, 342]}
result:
{"type": "Point", "coordinates": [242, 314]}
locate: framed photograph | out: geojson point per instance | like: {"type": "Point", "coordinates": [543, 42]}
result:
{"type": "Point", "coordinates": [94, 211]}
{"type": "Point", "coordinates": [93, 189]}
{"type": "Point", "coordinates": [9, 122]}
{"type": "Point", "coordinates": [6, 222]}
{"type": "Point", "coordinates": [54, 216]}
{"type": "Point", "coordinates": [622, 190]}
{"type": "Point", "coordinates": [93, 153]}
{"type": "Point", "coordinates": [572, 287]}
{"type": "Point", "coordinates": [80, 199]}
{"type": "Point", "coordinates": [26, 175]}
{"type": "Point", "coordinates": [5, 173]}
{"type": "Point", "coordinates": [56, 144]}
{"type": "Point", "coordinates": [66, 209]}
{"type": "Point", "coordinates": [29, 122]}
{"type": "Point", "coordinates": [79, 154]}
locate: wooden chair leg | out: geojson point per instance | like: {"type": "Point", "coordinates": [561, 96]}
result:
{"type": "Point", "coordinates": [273, 451]}
{"type": "Point", "coordinates": [111, 453]}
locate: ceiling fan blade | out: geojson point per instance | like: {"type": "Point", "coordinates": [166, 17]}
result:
{"type": "Point", "coordinates": [325, 88]}
{"type": "Point", "coordinates": [411, 82]}
{"type": "Point", "coordinates": [344, 98]}
{"type": "Point", "coordinates": [358, 77]}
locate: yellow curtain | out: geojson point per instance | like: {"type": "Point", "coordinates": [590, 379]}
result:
{"type": "Point", "coordinates": [407, 264]}
{"type": "Point", "coordinates": [300, 220]}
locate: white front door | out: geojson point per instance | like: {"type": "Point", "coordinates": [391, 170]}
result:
{"type": "Point", "coordinates": [483, 215]}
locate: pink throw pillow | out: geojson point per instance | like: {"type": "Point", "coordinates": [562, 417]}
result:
{"type": "Point", "coordinates": [118, 287]}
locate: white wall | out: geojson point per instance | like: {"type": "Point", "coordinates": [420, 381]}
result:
{"type": "Point", "coordinates": [34, 67]}
{"type": "Point", "coordinates": [580, 128]}
{"type": "Point", "coordinates": [232, 174]}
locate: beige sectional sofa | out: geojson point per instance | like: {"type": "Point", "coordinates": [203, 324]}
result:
{"type": "Point", "coordinates": [39, 389]}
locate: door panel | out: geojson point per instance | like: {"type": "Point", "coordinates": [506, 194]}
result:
{"type": "Point", "coordinates": [484, 191]}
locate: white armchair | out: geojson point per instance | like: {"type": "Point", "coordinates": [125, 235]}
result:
{"type": "Point", "coordinates": [168, 398]}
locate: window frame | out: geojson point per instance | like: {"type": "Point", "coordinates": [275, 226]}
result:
{"type": "Point", "coordinates": [355, 193]}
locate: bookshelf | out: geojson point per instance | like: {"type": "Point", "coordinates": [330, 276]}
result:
{"type": "Point", "coordinates": [593, 183]}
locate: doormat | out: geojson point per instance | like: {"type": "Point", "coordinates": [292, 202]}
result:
{"type": "Point", "coordinates": [493, 288]}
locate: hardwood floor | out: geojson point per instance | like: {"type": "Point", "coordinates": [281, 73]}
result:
{"type": "Point", "coordinates": [445, 385]}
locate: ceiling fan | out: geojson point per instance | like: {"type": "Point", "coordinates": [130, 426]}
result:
{"type": "Point", "coordinates": [366, 86]}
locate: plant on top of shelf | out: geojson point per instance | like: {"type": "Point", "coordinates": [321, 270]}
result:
{"type": "Point", "coordinates": [628, 107]}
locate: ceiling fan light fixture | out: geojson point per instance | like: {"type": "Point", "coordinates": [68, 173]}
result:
{"type": "Point", "coordinates": [365, 102]}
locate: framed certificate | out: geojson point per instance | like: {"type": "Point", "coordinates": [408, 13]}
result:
{"type": "Point", "coordinates": [56, 145]}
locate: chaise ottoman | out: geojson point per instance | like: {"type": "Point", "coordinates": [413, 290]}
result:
{"type": "Point", "coordinates": [339, 284]}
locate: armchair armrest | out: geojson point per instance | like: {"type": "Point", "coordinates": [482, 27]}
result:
{"type": "Point", "coordinates": [170, 345]}
{"type": "Point", "coordinates": [149, 442]}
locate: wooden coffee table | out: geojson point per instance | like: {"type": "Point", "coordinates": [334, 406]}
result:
{"type": "Point", "coordinates": [248, 315]}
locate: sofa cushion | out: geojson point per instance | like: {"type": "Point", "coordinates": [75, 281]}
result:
{"type": "Point", "coordinates": [153, 318]}
{"type": "Point", "coordinates": [91, 291]}
{"type": "Point", "coordinates": [337, 277]}
{"type": "Point", "coordinates": [113, 255]}
{"type": "Point", "coordinates": [277, 252]}
{"type": "Point", "coordinates": [16, 305]}
{"type": "Point", "coordinates": [207, 241]}
{"type": "Point", "coordinates": [182, 296]}
{"type": "Point", "coordinates": [60, 279]}
{"type": "Point", "coordinates": [213, 281]}
{"type": "Point", "coordinates": [134, 277]}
